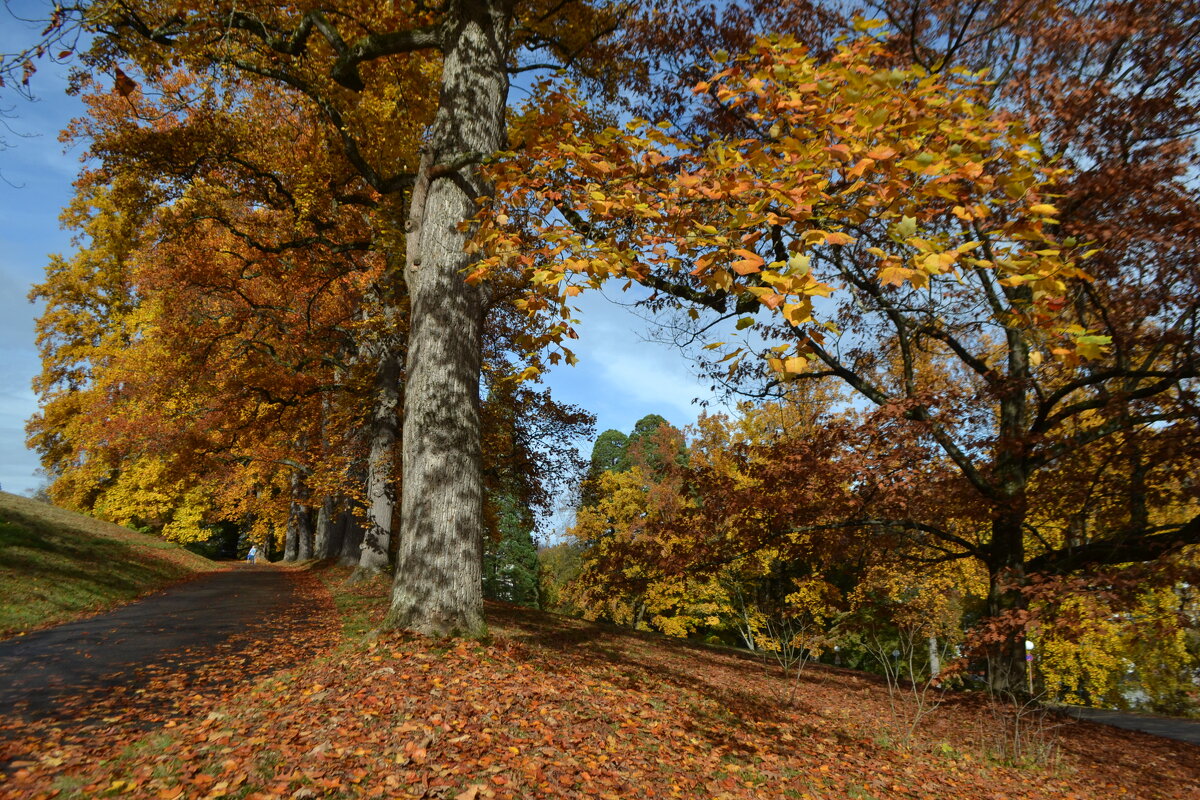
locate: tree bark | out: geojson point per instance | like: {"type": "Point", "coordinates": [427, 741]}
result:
{"type": "Point", "coordinates": [1006, 657]}
{"type": "Point", "coordinates": [352, 536]}
{"type": "Point", "coordinates": [300, 518]}
{"type": "Point", "coordinates": [1006, 562]}
{"type": "Point", "coordinates": [381, 494]}
{"type": "Point", "coordinates": [327, 542]}
{"type": "Point", "coordinates": [291, 538]}
{"type": "Point", "coordinates": [437, 589]}
{"type": "Point", "coordinates": [304, 533]}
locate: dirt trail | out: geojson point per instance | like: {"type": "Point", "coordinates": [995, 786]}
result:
{"type": "Point", "coordinates": [194, 636]}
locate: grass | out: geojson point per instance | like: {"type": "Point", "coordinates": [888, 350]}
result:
{"type": "Point", "coordinates": [57, 566]}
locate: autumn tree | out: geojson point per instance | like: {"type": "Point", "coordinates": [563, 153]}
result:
{"type": "Point", "coordinates": [234, 296]}
{"type": "Point", "coordinates": [911, 189]}
{"type": "Point", "coordinates": [530, 462]}
{"type": "Point", "coordinates": [1108, 88]}
{"type": "Point", "coordinates": [246, 274]}
{"type": "Point", "coordinates": [338, 59]}
{"type": "Point", "coordinates": [964, 312]}
{"type": "Point", "coordinates": [638, 544]}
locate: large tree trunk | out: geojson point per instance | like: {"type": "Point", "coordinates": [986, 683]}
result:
{"type": "Point", "coordinates": [352, 536]}
{"type": "Point", "coordinates": [301, 518]}
{"type": "Point", "coordinates": [327, 542]}
{"type": "Point", "coordinates": [289, 540]}
{"type": "Point", "coordinates": [1006, 564]}
{"type": "Point", "coordinates": [326, 538]}
{"type": "Point", "coordinates": [381, 493]}
{"type": "Point", "coordinates": [304, 534]}
{"type": "Point", "coordinates": [291, 537]}
{"type": "Point", "coordinates": [1006, 655]}
{"type": "Point", "coordinates": [437, 588]}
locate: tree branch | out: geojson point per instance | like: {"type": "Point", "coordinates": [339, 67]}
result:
{"type": "Point", "coordinates": [1124, 547]}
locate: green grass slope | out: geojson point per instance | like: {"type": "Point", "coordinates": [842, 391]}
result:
{"type": "Point", "coordinates": [57, 566]}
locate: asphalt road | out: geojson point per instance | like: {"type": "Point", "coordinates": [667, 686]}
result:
{"type": "Point", "coordinates": [178, 629]}
{"type": "Point", "coordinates": [1184, 730]}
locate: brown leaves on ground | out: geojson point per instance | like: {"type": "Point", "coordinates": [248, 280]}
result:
{"type": "Point", "coordinates": [558, 708]}
{"type": "Point", "coordinates": [92, 723]}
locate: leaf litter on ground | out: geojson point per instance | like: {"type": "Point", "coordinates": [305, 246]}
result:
{"type": "Point", "coordinates": [554, 707]}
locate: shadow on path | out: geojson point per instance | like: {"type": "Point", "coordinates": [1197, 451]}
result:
{"type": "Point", "coordinates": [1183, 730]}
{"type": "Point", "coordinates": [197, 635]}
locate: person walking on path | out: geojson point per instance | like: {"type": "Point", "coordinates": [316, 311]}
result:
{"type": "Point", "coordinates": [252, 556]}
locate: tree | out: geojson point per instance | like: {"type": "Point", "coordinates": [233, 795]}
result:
{"type": "Point", "coordinates": [609, 454]}
{"type": "Point", "coordinates": [437, 590]}
{"type": "Point", "coordinates": [655, 443]}
{"type": "Point", "coordinates": [961, 316]}
{"type": "Point", "coordinates": [558, 566]}
{"type": "Point", "coordinates": [1109, 87]}
{"type": "Point", "coordinates": [510, 563]}
{"type": "Point", "coordinates": [902, 185]}
{"type": "Point", "coordinates": [616, 452]}
{"type": "Point", "coordinates": [192, 346]}
{"type": "Point", "coordinates": [529, 462]}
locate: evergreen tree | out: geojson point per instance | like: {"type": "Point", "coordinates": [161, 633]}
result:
{"type": "Point", "coordinates": [510, 562]}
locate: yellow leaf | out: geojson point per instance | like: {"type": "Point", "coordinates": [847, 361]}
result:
{"type": "Point", "coordinates": [797, 313]}
{"type": "Point", "coordinates": [862, 166]}
{"type": "Point", "coordinates": [865, 25]}
{"type": "Point", "coordinates": [894, 276]}
{"type": "Point", "coordinates": [799, 265]}
{"type": "Point", "coordinates": [795, 364]}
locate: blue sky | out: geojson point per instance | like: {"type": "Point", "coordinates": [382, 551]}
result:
{"type": "Point", "coordinates": [36, 183]}
{"type": "Point", "coordinates": [620, 377]}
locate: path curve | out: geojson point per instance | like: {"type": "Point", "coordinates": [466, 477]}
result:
{"type": "Point", "coordinates": [1183, 730]}
{"type": "Point", "coordinates": [47, 674]}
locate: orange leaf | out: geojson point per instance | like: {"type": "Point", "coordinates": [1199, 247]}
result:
{"type": "Point", "coordinates": [749, 262]}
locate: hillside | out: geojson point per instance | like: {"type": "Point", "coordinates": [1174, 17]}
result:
{"type": "Point", "coordinates": [56, 565]}
{"type": "Point", "coordinates": [556, 708]}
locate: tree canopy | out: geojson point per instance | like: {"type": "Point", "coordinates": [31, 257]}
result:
{"type": "Point", "coordinates": [949, 251]}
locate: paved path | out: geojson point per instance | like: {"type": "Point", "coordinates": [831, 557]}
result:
{"type": "Point", "coordinates": [1184, 730]}
{"type": "Point", "coordinates": [178, 630]}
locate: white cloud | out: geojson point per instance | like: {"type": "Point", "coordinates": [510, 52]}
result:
{"type": "Point", "coordinates": [17, 464]}
{"type": "Point", "coordinates": [622, 375]}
